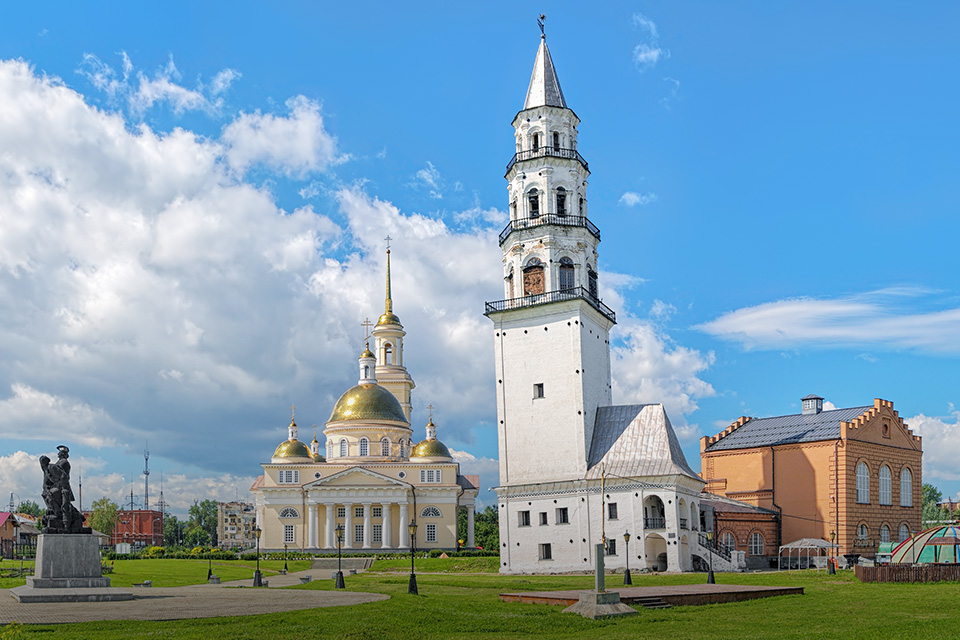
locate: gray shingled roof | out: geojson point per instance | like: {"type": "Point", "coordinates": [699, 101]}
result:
{"type": "Point", "coordinates": [765, 432]}
{"type": "Point", "coordinates": [544, 86]}
{"type": "Point", "coordinates": [636, 440]}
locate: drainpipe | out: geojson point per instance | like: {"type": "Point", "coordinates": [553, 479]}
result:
{"type": "Point", "coordinates": [773, 491]}
{"type": "Point", "coordinates": [836, 491]}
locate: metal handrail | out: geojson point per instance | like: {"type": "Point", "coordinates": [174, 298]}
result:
{"type": "Point", "coordinates": [547, 152]}
{"type": "Point", "coordinates": [550, 218]}
{"type": "Point", "coordinates": [721, 550]}
{"type": "Point", "coordinates": [548, 297]}
{"type": "Point", "coordinates": [654, 523]}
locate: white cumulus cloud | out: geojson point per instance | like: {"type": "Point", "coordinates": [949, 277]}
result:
{"type": "Point", "coordinates": [632, 198]}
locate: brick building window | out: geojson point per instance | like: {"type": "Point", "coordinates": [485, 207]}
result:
{"type": "Point", "coordinates": [906, 488]}
{"type": "Point", "coordinates": [863, 483]}
{"type": "Point", "coordinates": [904, 532]}
{"type": "Point", "coordinates": [728, 541]}
{"type": "Point", "coordinates": [756, 544]}
{"type": "Point", "coordinates": [862, 533]}
{"type": "Point", "coordinates": [884, 533]}
{"type": "Point", "coordinates": [886, 495]}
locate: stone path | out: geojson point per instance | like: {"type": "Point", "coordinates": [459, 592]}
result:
{"type": "Point", "coordinates": [196, 601]}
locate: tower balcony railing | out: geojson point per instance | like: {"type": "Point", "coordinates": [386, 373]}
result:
{"type": "Point", "coordinates": [549, 218]}
{"type": "Point", "coordinates": [551, 296]}
{"type": "Point", "coordinates": [547, 152]}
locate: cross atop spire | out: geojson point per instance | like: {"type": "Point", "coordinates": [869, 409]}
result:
{"type": "Point", "coordinates": [293, 412]}
{"type": "Point", "coordinates": [430, 408]}
{"type": "Point", "coordinates": [366, 324]}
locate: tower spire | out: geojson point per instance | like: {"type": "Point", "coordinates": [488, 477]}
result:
{"type": "Point", "coordinates": [388, 303]}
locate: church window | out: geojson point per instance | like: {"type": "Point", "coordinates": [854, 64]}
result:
{"type": "Point", "coordinates": [376, 512]}
{"type": "Point", "coordinates": [862, 533]}
{"type": "Point", "coordinates": [556, 141]}
{"type": "Point", "coordinates": [403, 449]}
{"type": "Point", "coordinates": [884, 533]}
{"type": "Point", "coordinates": [612, 511]}
{"type": "Point", "coordinates": [543, 519]}
{"type": "Point", "coordinates": [546, 552]}
{"type": "Point", "coordinates": [385, 447]}
{"type": "Point", "coordinates": [904, 532]}
{"type": "Point", "coordinates": [431, 533]}
{"type": "Point", "coordinates": [728, 541]}
{"type": "Point", "coordinates": [566, 274]}
{"type": "Point", "coordinates": [343, 447]}
{"type": "Point", "coordinates": [366, 372]}
{"type": "Point", "coordinates": [377, 532]}
{"type": "Point", "coordinates": [906, 488]}
{"type": "Point", "coordinates": [358, 533]}
{"type": "Point", "coordinates": [756, 544]}
{"type": "Point", "coordinates": [885, 492]}
{"type": "Point", "coordinates": [561, 201]}
{"type": "Point", "coordinates": [388, 353]}
{"type": "Point", "coordinates": [341, 512]}
{"type": "Point", "coordinates": [509, 280]}
{"type": "Point", "coordinates": [289, 476]}
{"type": "Point", "coordinates": [533, 283]}
{"type": "Point", "coordinates": [523, 519]}
{"type": "Point", "coordinates": [538, 390]}
{"type": "Point", "coordinates": [289, 512]}
{"type": "Point", "coordinates": [430, 476]}
{"type": "Point", "coordinates": [612, 547]}
{"type": "Point", "coordinates": [592, 282]}
{"type": "Point", "coordinates": [430, 512]}
{"type": "Point", "coordinates": [563, 516]}
{"type": "Point", "coordinates": [364, 447]}
{"type": "Point", "coordinates": [358, 512]}
{"type": "Point", "coordinates": [536, 142]}
{"type": "Point", "coordinates": [288, 534]}
{"type": "Point", "coordinates": [533, 198]}
{"type": "Point", "coordinates": [513, 210]}
{"type": "Point", "coordinates": [581, 206]}
{"type": "Point", "coordinates": [329, 448]}
{"type": "Point", "coordinates": [863, 483]}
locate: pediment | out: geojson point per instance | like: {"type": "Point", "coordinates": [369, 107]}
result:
{"type": "Point", "coordinates": [357, 477]}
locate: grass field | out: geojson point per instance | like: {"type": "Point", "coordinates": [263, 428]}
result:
{"type": "Point", "coordinates": [465, 605]}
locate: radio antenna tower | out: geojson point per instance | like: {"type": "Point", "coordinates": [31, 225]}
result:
{"type": "Point", "coordinates": [146, 477]}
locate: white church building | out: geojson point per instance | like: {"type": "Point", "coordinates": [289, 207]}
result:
{"type": "Point", "coordinates": [574, 468]}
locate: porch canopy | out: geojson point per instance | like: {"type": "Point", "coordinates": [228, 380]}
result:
{"type": "Point", "coordinates": [812, 546]}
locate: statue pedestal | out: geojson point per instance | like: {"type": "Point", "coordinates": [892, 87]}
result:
{"type": "Point", "coordinates": [596, 605]}
{"type": "Point", "coordinates": [67, 569]}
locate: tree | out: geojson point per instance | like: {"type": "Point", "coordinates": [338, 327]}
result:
{"type": "Point", "coordinates": [486, 528]}
{"type": "Point", "coordinates": [201, 528]}
{"type": "Point", "coordinates": [930, 494]}
{"type": "Point", "coordinates": [931, 514]}
{"type": "Point", "coordinates": [31, 508]}
{"type": "Point", "coordinates": [103, 518]}
{"type": "Point", "coordinates": [171, 530]}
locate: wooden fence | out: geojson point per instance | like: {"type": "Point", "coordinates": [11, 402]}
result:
{"type": "Point", "coordinates": [908, 573]}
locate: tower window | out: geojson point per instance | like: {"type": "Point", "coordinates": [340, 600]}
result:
{"type": "Point", "coordinates": [556, 141]}
{"type": "Point", "coordinates": [523, 519]}
{"type": "Point", "coordinates": [561, 201]}
{"type": "Point", "coordinates": [538, 390]}
{"type": "Point", "coordinates": [543, 519]}
{"type": "Point", "coordinates": [566, 274]}
{"type": "Point", "coordinates": [533, 278]}
{"type": "Point", "coordinates": [563, 516]}
{"type": "Point", "coordinates": [388, 353]}
{"type": "Point", "coordinates": [343, 447]}
{"type": "Point", "coordinates": [536, 142]}
{"type": "Point", "coordinates": [403, 449]}
{"type": "Point", "coordinates": [592, 281]}
{"type": "Point", "coordinates": [534, 198]}
{"type": "Point", "coordinates": [581, 206]}
{"type": "Point", "coordinates": [384, 447]}
{"type": "Point", "coordinates": [364, 447]}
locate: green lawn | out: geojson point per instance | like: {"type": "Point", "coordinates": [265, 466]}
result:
{"type": "Point", "coordinates": [465, 605]}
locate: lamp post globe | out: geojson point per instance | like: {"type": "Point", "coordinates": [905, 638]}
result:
{"type": "Point", "coordinates": [626, 550]}
{"type": "Point", "coordinates": [339, 584]}
{"type": "Point", "coordinates": [412, 528]}
{"type": "Point", "coordinates": [257, 576]}
{"type": "Point", "coordinates": [710, 547]}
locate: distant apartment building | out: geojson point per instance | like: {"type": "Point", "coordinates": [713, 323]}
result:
{"type": "Point", "coordinates": [235, 524]}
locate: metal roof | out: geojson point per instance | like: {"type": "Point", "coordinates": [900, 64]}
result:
{"type": "Point", "coordinates": [797, 427]}
{"type": "Point", "coordinates": [636, 440]}
{"type": "Point", "coordinates": [544, 89]}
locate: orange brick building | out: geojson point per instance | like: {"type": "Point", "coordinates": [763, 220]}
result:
{"type": "Point", "coordinates": [139, 527]}
{"type": "Point", "coordinates": [854, 472]}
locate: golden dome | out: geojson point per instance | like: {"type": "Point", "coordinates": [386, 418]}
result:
{"type": "Point", "coordinates": [388, 318]}
{"type": "Point", "coordinates": [367, 353]}
{"type": "Point", "coordinates": [368, 402]}
{"type": "Point", "coordinates": [292, 449]}
{"type": "Point", "coordinates": [430, 449]}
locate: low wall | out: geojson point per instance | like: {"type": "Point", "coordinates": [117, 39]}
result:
{"type": "Point", "coordinates": [908, 573]}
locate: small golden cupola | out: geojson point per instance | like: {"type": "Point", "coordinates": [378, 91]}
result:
{"type": "Point", "coordinates": [368, 400]}
{"type": "Point", "coordinates": [431, 449]}
{"type": "Point", "coordinates": [291, 449]}
{"type": "Point", "coordinates": [315, 449]}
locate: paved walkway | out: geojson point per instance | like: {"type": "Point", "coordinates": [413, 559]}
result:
{"type": "Point", "coordinates": [179, 603]}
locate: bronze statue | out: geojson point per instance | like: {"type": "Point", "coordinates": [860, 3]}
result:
{"type": "Point", "coordinates": [61, 516]}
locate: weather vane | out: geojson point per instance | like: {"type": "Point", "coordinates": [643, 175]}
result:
{"type": "Point", "coordinates": [540, 22]}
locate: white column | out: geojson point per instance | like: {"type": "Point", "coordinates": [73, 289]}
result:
{"type": "Point", "coordinates": [312, 533]}
{"type": "Point", "coordinates": [404, 534]}
{"type": "Point", "coordinates": [330, 539]}
{"type": "Point", "coordinates": [387, 537]}
{"type": "Point", "coordinates": [366, 525]}
{"type": "Point", "coordinates": [470, 541]}
{"type": "Point", "coordinates": [348, 526]}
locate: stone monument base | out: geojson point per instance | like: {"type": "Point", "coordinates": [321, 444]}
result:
{"type": "Point", "coordinates": [67, 569]}
{"type": "Point", "coordinates": [600, 604]}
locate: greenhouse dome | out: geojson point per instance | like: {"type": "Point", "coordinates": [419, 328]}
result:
{"type": "Point", "coordinates": [940, 544]}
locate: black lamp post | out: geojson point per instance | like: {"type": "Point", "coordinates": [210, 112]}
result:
{"type": "Point", "coordinates": [339, 584]}
{"type": "Point", "coordinates": [210, 565]}
{"type": "Point", "coordinates": [710, 578]}
{"type": "Point", "coordinates": [412, 528]}
{"type": "Point", "coordinates": [284, 558]}
{"type": "Point", "coordinates": [626, 550]}
{"type": "Point", "coordinates": [257, 576]}
{"type": "Point", "coordinates": [831, 567]}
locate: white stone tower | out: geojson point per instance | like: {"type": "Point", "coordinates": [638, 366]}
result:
{"type": "Point", "coordinates": [388, 335]}
{"type": "Point", "coordinates": [551, 331]}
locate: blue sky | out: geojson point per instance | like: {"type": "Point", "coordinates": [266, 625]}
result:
{"type": "Point", "coordinates": [195, 198]}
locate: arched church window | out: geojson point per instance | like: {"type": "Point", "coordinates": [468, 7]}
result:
{"type": "Point", "coordinates": [556, 141]}
{"type": "Point", "coordinates": [430, 512]}
{"type": "Point", "coordinates": [343, 447]}
{"type": "Point", "coordinates": [592, 281]}
{"type": "Point", "coordinates": [904, 532]}
{"type": "Point", "coordinates": [885, 487]}
{"type": "Point", "coordinates": [387, 353]}
{"type": "Point", "coordinates": [566, 273]}
{"type": "Point", "coordinates": [536, 142]}
{"type": "Point", "coordinates": [906, 488]}
{"type": "Point", "coordinates": [533, 197]}
{"type": "Point", "coordinates": [289, 512]}
{"type": "Point", "coordinates": [863, 483]}
{"type": "Point", "coordinates": [561, 201]}
{"type": "Point", "coordinates": [366, 372]}
{"type": "Point", "coordinates": [581, 206]}
{"type": "Point", "coordinates": [385, 447]}
{"type": "Point", "coordinates": [364, 447]}
{"type": "Point", "coordinates": [756, 544]}
{"type": "Point", "coordinates": [884, 533]}
{"type": "Point", "coordinates": [533, 278]}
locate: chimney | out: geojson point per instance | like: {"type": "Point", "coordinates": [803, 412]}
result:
{"type": "Point", "coordinates": [812, 405]}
